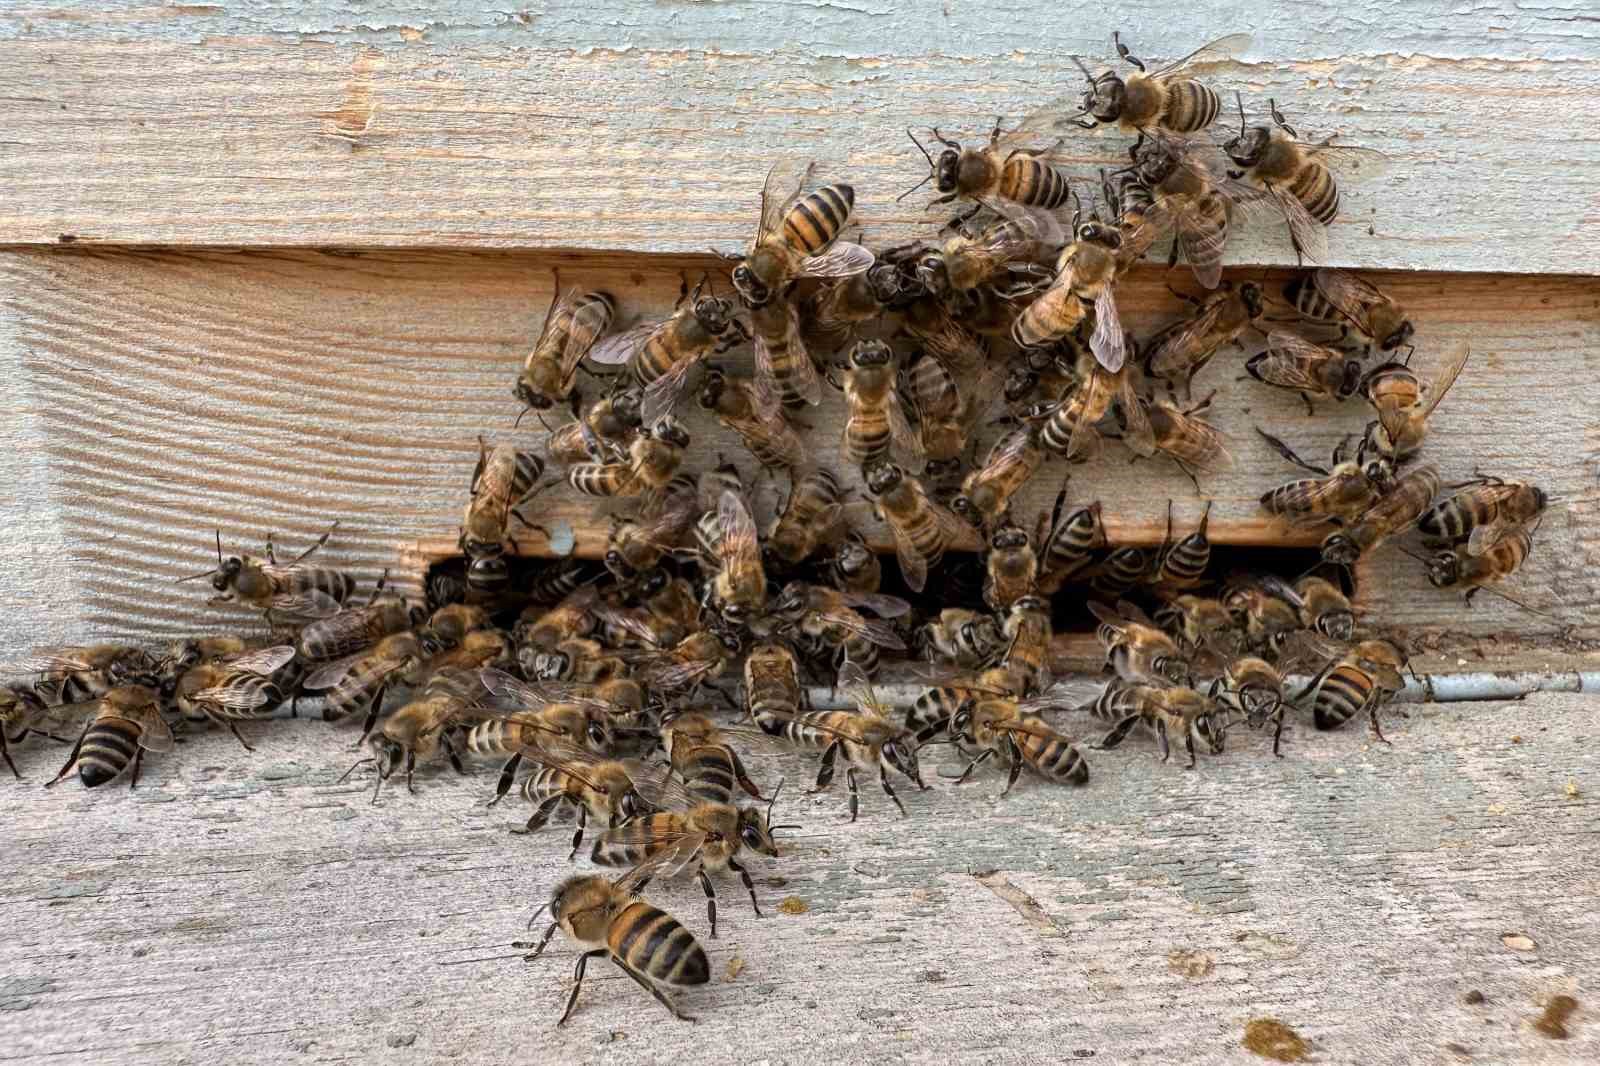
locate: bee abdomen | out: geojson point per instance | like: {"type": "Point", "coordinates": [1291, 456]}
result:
{"type": "Point", "coordinates": [813, 223]}
{"type": "Point", "coordinates": [1190, 106]}
{"type": "Point", "coordinates": [109, 746]}
{"type": "Point", "coordinates": [1343, 693]}
{"type": "Point", "coordinates": [655, 944]}
{"type": "Point", "coordinates": [708, 774]}
{"type": "Point", "coordinates": [1307, 299]}
{"type": "Point", "coordinates": [1048, 319]}
{"type": "Point", "coordinates": [1315, 188]}
{"type": "Point", "coordinates": [1030, 181]}
{"type": "Point", "coordinates": [1056, 758]}
{"type": "Point", "coordinates": [592, 315]}
{"type": "Point", "coordinates": [601, 479]}
{"type": "Point", "coordinates": [1187, 561]}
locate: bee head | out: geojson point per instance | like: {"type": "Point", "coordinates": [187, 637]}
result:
{"type": "Point", "coordinates": [754, 832]}
{"type": "Point", "coordinates": [942, 470]}
{"type": "Point", "coordinates": [751, 289]}
{"type": "Point", "coordinates": [1104, 97]}
{"type": "Point", "coordinates": [711, 388]}
{"type": "Point", "coordinates": [1339, 625]}
{"type": "Point", "coordinates": [1212, 731]}
{"type": "Point", "coordinates": [965, 509]}
{"type": "Point", "coordinates": [1100, 233]}
{"type": "Point", "coordinates": [653, 581]}
{"type": "Point", "coordinates": [1350, 383]}
{"type": "Point", "coordinates": [617, 563]}
{"type": "Point", "coordinates": [714, 314]}
{"type": "Point", "coordinates": [882, 476]}
{"type": "Point", "coordinates": [1399, 337]}
{"type": "Point", "coordinates": [903, 757]}
{"type": "Point", "coordinates": [933, 273]}
{"type": "Point", "coordinates": [1019, 383]}
{"type": "Point", "coordinates": [1154, 162]}
{"type": "Point", "coordinates": [227, 573]}
{"type": "Point", "coordinates": [625, 408]}
{"type": "Point", "coordinates": [531, 398]}
{"type": "Point", "coordinates": [551, 666]}
{"type": "Point", "coordinates": [883, 279]}
{"type": "Point", "coordinates": [1444, 569]}
{"type": "Point", "coordinates": [1008, 536]}
{"type": "Point", "coordinates": [1339, 550]}
{"type": "Point", "coordinates": [1250, 294]}
{"type": "Point", "coordinates": [669, 430]}
{"type": "Point", "coordinates": [1247, 149]}
{"type": "Point", "coordinates": [871, 354]}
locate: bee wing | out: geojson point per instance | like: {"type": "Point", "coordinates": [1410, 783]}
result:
{"type": "Point", "coordinates": [881, 605]}
{"type": "Point", "coordinates": [499, 683]}
{"type": "Point", "coordinates": [785, 180]}
{"type": "Point", "coordinates": [1110, 616]}
{"type": "Point", "coordinates": [1351, 165]}
{"type": "Point", "coordinates": [856, 684]}
{"type": "Point", "coordinates": [1201, 243]}
{"type": "Point", "coordinates": [913, 564]}
{"type": "Point", "coordinates": [154, 733]}
{"type": "Point", "coordinates": [1216, 445]}
{"type": "Point", "coordinates": [1301, 353]}
{"type": "Point", "coordinates": [752, 741]}
{"type": "Point", "coordinates": [1158, 218]}
{"type": "Point", "coordinates": [618, 348]}
{"type": "Point", "coordinates": [904, 442]}
{"type": "Point", "coordinates": [1137, 432]}
{"type": "Point", "coordinates": [306, 603]}
{"type": "Point", "coordinates": [1446, 375]}
{"type": "Point", "coordinates": [805, 382]}
{"type": "Point", "coordinates": [46, 664]}
{"type": "Point", "coordinates": [330, 674]}
{"type": "Point", "coordinates": [1489, 534]}
{"type": "Point", "coordinates": [1309, 235]}
{"type": "Point", "coordinates": [1108, 343]}
{"type": "Point", "coordinates": [235, 697]}
{"type": "Point", "coordinates": [1350, 296]}
{"type": "Point", "coordinates": [266, 661]}
{"type": "Point", "coordinates": [662, 395]}
{"type": "Point", "coordinates": [1031, 727]}
{"type": "Point", "coordinates": [880, 633]}
{"type": "Point", "coordinates": [1219, 50]}
{"type": "Point", "coordinates": [1170, 356]}
{"type": "Point", "coordinates": [1085, 440]}
{"type": "Point", "coordinates": [675, 676]}
{"type": "Point", "coordinates": [739, 537]}
{"type": "Point", "coordinates": [662, 791]}
{"type": "Point", "coordinates": [840, 261]}
{"type": "Point", "coordinates": [627, 621]}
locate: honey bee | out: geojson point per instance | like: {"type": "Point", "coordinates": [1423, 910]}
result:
{"type": "Point", "coordinates": [480, 648]}
{"type": "Point", "coordinates": [638, 544]}
{"type": "Point", "coordinates": [646, 943]}
{"type": "Point", "coordinates": [358, 682]}
{"type": "Point", "coordinates": [928, 321]}
{"type": "Point", "coordinates": [77, 675]}
{"type": "Point", "coordinates": [420, 727]}
{"type": "Point", "coordinates": [868, 737]}
{"type": "Point", "coordinates": [502, 482]}
{"type": "Point", "coordinates": [701, 754]}
{"type": "Point", "coordinates": [876, 427]}
{"type": "Point", "coordinates": [612, 420]}
{"type": "Point", "coordinates": [576, 659]}
{"type": "Point", "coordinates": [698, 658]}
{"type": "Point", "coordinates": [1456, 567]}
{"type": "Point", "coordinates": [1012, 248]}
{"type": "Point", "coordinates": [947, 411]}
{"type": "Point", "coordinates": [602, 789]}
{"type": "Point", "coordinates": [690, 833]}
{"type": "Point", "coordinates": [241, 687]}
{"type": "Point", "coordinates": [1068, 542]}
{"type": "Point", "coordinates": [651, 461]}
{"type": "Point", "coordinates": [296, 591]}
{"type": "Point", "coordinates": [1298, 177]}
{"type": "Point", "coordinates": [1321, 606]}
{"type": "Point", "coordinates": [1267, 618]}
{"type": "Point", "coordinates": [1166, 711]}
{"type": "Point", "coordinates": [1084, 276]}
{"type": "Point", "coordinates": [1136, 649]}
{"type": "Point", "coordinates": [1289, 361]}
{"type": "Point", "coordinates": [922, 528]}
{"type": "Point", "coordinates": [830, 618]}
{"type": "Point", "coordinates": [1363, 679]}
{"type": "Point", "coordinates": [1196, 201]}
{"type": "Point", "coordinates": [574, 322]}
{"type": "Point", "coordinates": [1027, 630]}
{"type": "Point", "coordinates": [1340, 494]}
{"type": "Point", "coordinates": [960, 637]}
{"type": "Point", "coordinates": [1119, 571]}
{"type": "Point", "coordinates": [1068, 427]}
{"type": "Point", "coordinates": [772, 690]}
{"type": "Point", "coordinates": [798, 237]}
{"type": "Point", "coordinates": [22, 712]}
{"type": "Point", "coordinates": [355, 629]}
{"type": "Point", "coordinates": [855, 567]}
{"type": "Point", "coordinates": [785, 373]}
{"type": "Point", "coordinates": [1140, 217]}
{"type": "Point", "coordinates": [552, 715]}
{"type": "Point", "coordinates": [1483, 514]}
{"type": "Point", "coordinates": [1017, 176]}
{"type": "Point", "coordinates": [670, 601]}
{"type": "Point", "coordinates": [663, 355]}
{"type": "Point", "coordinates": [1397, 395]}
{"type": "Point", "coordinates": [1354, 305]}
{"type": "Point", "coordinates": [448, 626]}
{"type": "Point", "coordinates": [1011, 566]}
{"type": "Point", "coordinates": [1183, 349]}
{"type": "Point", "coordinates": [1182, 564]}
{"type": "Point", "coordinates": [1165, 99]}
{"type": "Point", "coordinates": [1001, 727]}
{"type": "Point", "coordinates": [543, 628]}
{"type": "Point", "coordinates": [738, 591]}
{"type": "Point", "coordinates": [1255, 689]}
{"type": "Point", "coordinates": [808, 519]}
{"type": "Point", "coordinates": [756, 415]}
{"type": "Point", "coordinates": [1396, 511]}
{"type": "Point", "coordinates": [127, 723]}
{"type": "Point", "coordinates": [1200, 622]}
{"type": "Point", "coordinates": [838, 308]}
{"type": "Point", "coordinates": [986, 492]}
{"type": "Point", "coordinates": [1190, 442]}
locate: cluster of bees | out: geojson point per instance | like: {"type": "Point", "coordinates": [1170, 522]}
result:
{"type": "Point", "coordinates": [592, 682]}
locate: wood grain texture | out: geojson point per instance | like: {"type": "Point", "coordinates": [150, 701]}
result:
{"type": "Point", "coordinates": [250, 908]}
{"type": "Point", "coordinates": [608, 126]}
{"type": "Point", "coordinates": [166, 394]}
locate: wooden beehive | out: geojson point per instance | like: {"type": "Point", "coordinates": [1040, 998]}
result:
{"type": "Point", "coordinates": [263, 270]}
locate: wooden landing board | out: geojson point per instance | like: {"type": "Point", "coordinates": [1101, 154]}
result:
{"type": "Point", "coordinates": [163, 395]}
{"type": "Point", "coordinates": [249, 908]}
{"type": "Point", "coordinates": [610, 126]}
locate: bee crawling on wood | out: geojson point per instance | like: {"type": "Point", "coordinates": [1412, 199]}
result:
{"type": "Point", "coordinates": [798, 236]}
{"type": "Point", "coordinates": [1003, 171]}
{"type": "Point", "coordinates": [297, 592]}
{"type": "Point", "coordinates": [1166, 99]}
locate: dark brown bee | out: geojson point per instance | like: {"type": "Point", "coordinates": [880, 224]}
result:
{"type": "Point", "coordinates": [295, 591]}
{"type": "Point", "coordinates": [1188, 441]}
{"type": "Point", "coordinates": [947, 411]}
{"type": "Point", "coordinates": [1456, 567]}
{"type": "Point", "coordinates": [1322, 607]}
{"type": "Point", "coordinates": [1186, 192]}
{"type": "Point", "coordinates": [608, 919]}
{"type": "Point", "coordinates": [1403, 404]}
{"type": "Point", "coordinates": [928, 321]}
{"type": "Point", "coordinates": [1003, 171]}
{"type": "Point", "coordinates": [611, 419]}
{"type": "Point", "coordinates": [876, 427]}
{"type": "Point", "coordinates": [1395, 512]}
{"type": "Point", "coordinates": [1068, 543]}
{"type": "Point", "coordinates": [1190, 714]}
{"type": "Point", "coordinates": [798, 237]}
{"type": "Point", "coordinates": [663, 355]}
{"type": "Point", "coordinates": [1256, 690]}
{"type": "Point", "coordinates": [755, 413]}
{"type": "Point", "coordinates": [1011, 566]}
{"type": "Point", "coordinates": [832, 617]}
{"type": "Point", "coordinates": [652, 460]}
{"type": "Point", "coordinates": [1163, 99]}
{"type": "Point", "coordinates": [785, 373]}
{"type": "Point", "coordinates": [663, 522]}
{"type": "Point", "coordinates": [1140, 217]}
{"type": "Point", "coordinates": [355, 629]}
{"type": "Point", "coordinates": [986, 492]}
{"type": "Point", "coordinates": [127, 723]}
{"type": "Point", "coordinates": [1200, 623]}
{"type": "Point", "coordinates": [1268, 619]}
{"type": "Point", "coordinates": [76, 675]}
{"type": "Point", "coordinates": [1363, 679]}
{"type": "Point", "coordinates": [839, 308]}
{"type": "Point", "coordinates": [572, 325]}
{"type": "Point", "coordinates": [1339, 494]}
{"type": "Point", "coordinates": [855, 567]}
{"type": "Point", "coordinates": [1289, 361]}
{"type": "Point", "coordinates": [1084, 277]}
{"type": "Point", "coordinates": [808, 519]}
{"type": "Point", "coordinates": [1182, 564]}
{"type": "Point", "coordinates": [1482, 513]}
{"type": "Point", "coordinates": [544, 628]}
{"type": "Point", "coordinates": [1136, 649]}
{"type": "Point", "coordinates": [238, 688]}
{"type": "Point", "coordinates": [1182, 350]}
{"type": "Point", "coordinates": [1297, 177]}
{"type": "Point", "coordinates": [1001, 726]}
{"type": "Point", "coordinates": [1354, 305]}
{"type": "Point", "coordinates": [772, 690]}
{"type": "Point", "coordinates": [960, 637]}
{"type": "Point", "coordinates": [503, 481]}
{"type": "Point", "coordinates": [922, 528]}
{"type": "Point", "coordinates": [448, 626]}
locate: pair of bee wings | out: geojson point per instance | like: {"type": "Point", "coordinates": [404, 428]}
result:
{"type": "Point", "coordinates": [804, 381]}
{"type": "Point", "coordinates": [840, 260]}
{"type": "Point", "coordinates": [1296, 360]}
{"type": "Point", "coordinates": [962, 403]}
{"type": "Point", "coordinates": [1393, 419]}
{"type": "Point", "coordinates": [740, 546]}
{"type": "Point", "coordinates": [1488, 534]}
{"type": "Point", "coordinates": [1347, 294]}
{"type": "Point", "coordinates": [905, 442]}
{"type": "Point", "coordinates": [576, 344]}
{"type": "Point", "coordinates": [1195, 335]}
{"type": "Point", "coordinates": [328, 675]}
{"type": "Point", "coordinates": [301, 602]}
{"type": "Point", "coordinates": [1103, 389]}
{"type": "Point", "coordinates": [1215, 451]}
{"type": "Point", "coordinates": [880, 633]}
{"type": "Point", "coordinates": [1350, 166]}
{"type": "Point", "coordinates": [662, 395]}
{"type": "Point", "coordinates": [913, 564]}
{"type": "Point", "coordinates": [513, 696]}
{"type": "Point", "coordinates": [154, 732]}
{"type": "Point", "coordinates": [1109, 341]}
{"type": "Point", "coordinates": [263, 664]}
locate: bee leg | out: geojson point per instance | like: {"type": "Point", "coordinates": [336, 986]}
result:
{"type": "Point", "coordinates": [508, 774]}
{"type": "Point", "coordinates": [1122, 50]}
{"type": "Point", "coordinates": [741, 776]}
{"type": "Point", "coordinates": [825, 771]}
{"type": "Point", "coordinates": [5, 752]}
{"type": "Point", "coordinates": [411, 765]}
{"type": "Point", "coordinates": [1162, 744]}
{"type": "Point", "coordinates": [1277, 733]}
{"type": "Point", "coordinates": [1376, 730]}
{"type": "Point", "coordinates": [73, 758]}
{"type": "Point", "coordinates": [1188, 743]}
{"type": "Point", "coordinates": [138, 760]}
{"type": "Point", "coordinates": [540, 816]}
{"type": "Point", "coordinates": [538, 949]}
{"type": "Point", "coordinates": [1016, 768]}
{"type": "Point", "coordinates": [1310, 410]}
{"type": "Point", "coordinates": [749, 885]}
{"type": "Point", "coordinates": [648, 986]}
{"type": "Point", "coordinates": [1118, 733]}
{"type": "Point", "coordinates": [577, 836]}
{"type": "Point", "coordinates": [1473, 591]}
{"type": "Point", "coordinates": [577, 981]}
{"type": "Point", "coordinates": [455, 759]}
{"type": "Point", "coordinates": [272, 556]}
{"type": "Point", "coordinates": [959, 220]}
{"type": "Point", "coordinates": [234, 729]}
{"type": "Point", "coordinates": [382, 579]}
{"type": "Point", "coordinates": [372, 717]}
{"type": "Point", "coordinates": [1193, 480]}
{"type": "Point", "coordinates": [855, 793]}
{"type": "Point", "coordinates": [319, 543]}
{"type": "Point", "coordinates": [711, 901]}
{"type": "Point", "coordinates": [982, 756]}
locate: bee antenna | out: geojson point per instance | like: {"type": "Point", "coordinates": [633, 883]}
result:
{"type": "Point", "coordinates": [772, 801]}
{"type": "Point", "coordinates": [1239, 99]}
{"type": "Point", "coordinates": [1086, 75]}
{"type": "Point", "coordinates": [195, 577]}
{"type": "Point", "coordinates": [520, 413]}
{"type": "Point", "coordinates": [542, 908]}
{"type": "Point", "coordinates": [219, 548]}
{"type": "Point", "coordinates": [1519, 603]}
{"type": "Point", "coordinates": [358, 762]}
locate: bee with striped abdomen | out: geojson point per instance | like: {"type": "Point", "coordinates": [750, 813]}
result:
{"type": "Point", "coordinates": [876, 426]}
{"type": "Point", "coordinates": [424, 724]}
{"type": "Point", "coordinates": [638, 544]}
{"type": "Point", "coordinates": [504, 479]}
{"type": "Point", "coordinates": [1458, 567]}
{"type": "Point", "coordinates": [1395, 511]}
{"type": "Point", "coordinates": [1166, 99]}
{"type": "Point", "coordinates": [1200, 623]}
{"type": "Point", "coordinates": [544, 628]}
{"type": "Point", "coordinates": [646, 943]}
{"type": "Point", "coordinates": [700, 753]}
{"type": "Point", "coordinates": [1256, 690]}
{"type": "Point", "coordinates": [602, 789]}
{"type": "Point", "coordinates": [838, 309]}
{"type": "Point", "coordinates": [1482, 513]}
{"type": "Point", "coordinates": [1184, 348]}
{"type": "Point", "coordinates": [296, 591]}
{"type": "Point", "coordinates": [1068, 542]}
{"type": "Point", "coordinates": [1166, 711]}
{"type": "Point", "coordinates": [738, 589]}
{"type": "Point", "coordinates": [960, 637]}
{"type": "Point", "coordinates": [808, 519]}
{"type": "Point", "coordinates": [76, 675]}
{"type": "Point", "coordinates": [574, 322]}
{"type": "Point", "coordinates": [1002, 727]}
{"type": "Point", "coordinates": [227, 690]}
{"type": "Point", "coordinates": [798, 237]}
{"type": "Point", "coordinates": [653, 457]}
{"type": "Point", "coordinates": [22, 714]}
{"type": "Point", "coordinates": [1027, 629]}
{"type": "Point", "coordinates": [1085, 274]}
{"type": "Point", "coordinates": [1010, 566]}
{"type": "Point", "coordinates": [1136, 648]}
{"type": "Point", "coordinates": [785, 373]}
{"type": "Point", "coordinates": [1362, 679]}
{"type": "Point", "coordinates": [611, 420]}
{"type": "Point", "coordinates": [1403, 404]}
{"type": "Point", "coordinates": [1339, 298]}
{"type": "Point", "coordinates": [1289, 361]}
{"type": "Point", "coordinates": [1259, 607]}
{"type": "Point", "coordinates": [127, 723]}
{"type": "Point", "coordinates": [772, 691]}
{"type": "Point", "coordinates": [1191, 196]}
{"type": "Point", "coordinates": [754, 412]}
{"type": "Point", "coordinates": [922, 528]}
{"type": "Point", "coordinates": [1339, 494]}
{"type": "Point", "coordinates": [1120, 570]}
{"type": "Point", "coordinates": [947, 411]}
{"type": "Point", "coordinates": [1002, 171]}
{"type": "Point", "coordinates": [1181, 435]}
{"type": "Point", "coordinates": [1068, 427]}
{"type": "Point", "coordinates": [1182, 564]}
{"type": "Point", "coordinates": [358, 682]}
{"type": "Point", "coordinates": [355, 629]}
{"type": "Point", "coordinates": [986, 493]}
{"type": "Point", "coordinates": [855, 567]}
{"type": "Point", "coordinates": [1011, 249]}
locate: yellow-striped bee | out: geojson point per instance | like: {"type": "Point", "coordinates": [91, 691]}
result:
{"type": "Point", "coordinates": [502, 482]}
{"type": "Point", "coordinates": [127, 723]}
{"type": "Point", "coordinates": [1395, 511]}
{"type": "Point", "coordinates": [876, 425]}
{"type": "Point", "coordinates": [1403, 404]}
{"type": "Point", "coordinates": [986, 492]}
{"type": "Point", "coordinates": [575, 321]}
{"type": "Point", "coordinates": [808, 519]}
{"type": "Point", "coordinates": [1289, 361]}
{"type": "Point", "coordinates": [295, 591]}
{"type": "Point", "coordinates": [1010, 250]}
{"type": "Point", "coordinates": [240, 687]}
{"type": "Point", "coordinates": [784, 370]}
{"type": "Point", "coordinates": [1184, 348]}
{"type": "Point", "coordinates": [1482, 513]}
{"type": "Point", "coordinates": [1085, 274]}
{"type": "Point", "coordinates": [1355, 305]}
{"type": "Point", "coordinates": [798, 237]}
{"type": "Point", "coordinates": [1339, 494]}
{"type": "Point", "coordinates": [1197, 201]}
{"type": "Point", "coordinates": [1190, 442]}
{"type": "Point", "coordinates": [1190, 714]}
{"type": "Point", "coordinates": [640, 543]}
{"type": "Point", "coordinates": [1164, 99]}
{"type": "Point", "coordinates": [922, 528]}
{"type": "Point", "coordinates": [650, 463]}
{"type": "Point", "coordinates": [1002, 171]}
{"type": "Point", "coordinates": [738, 589]}
{"type": "Point", "coordinates": [755, 413]}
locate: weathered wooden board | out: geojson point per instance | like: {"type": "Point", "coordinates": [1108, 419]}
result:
{"type": "Point", "coordinates": [162, 395]}
{"type": "Point", "coordinates": [608, 126]}
{"type": "Point", "coordinates": [250, 908]}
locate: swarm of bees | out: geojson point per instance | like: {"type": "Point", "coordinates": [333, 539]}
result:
{"type": "Point", "coordinates": [596, 686]}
